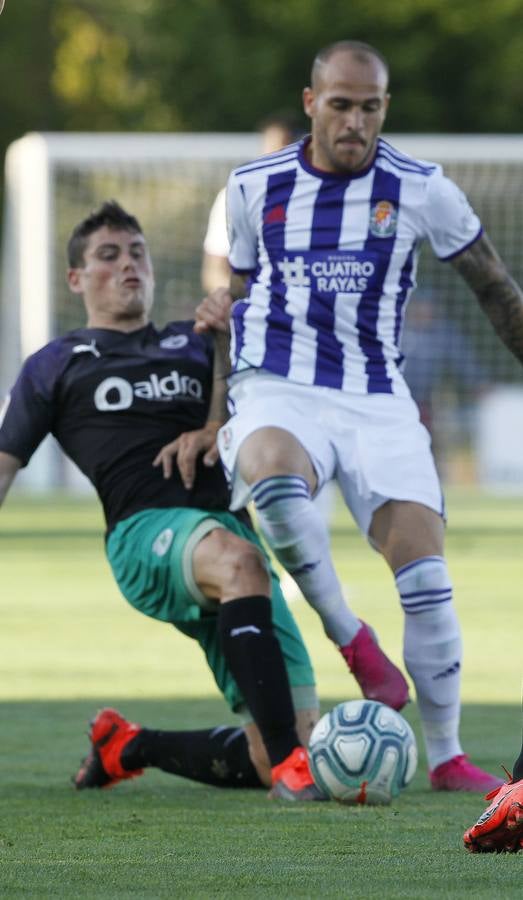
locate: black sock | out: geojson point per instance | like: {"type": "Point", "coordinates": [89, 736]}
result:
{"type": "Point", "coordinates": [254, 656]}
{"type": "Point", "coordinates": [217, 756]}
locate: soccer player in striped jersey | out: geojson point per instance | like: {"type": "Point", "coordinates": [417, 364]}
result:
{"type": "Point", "coordinates": [325, 236]}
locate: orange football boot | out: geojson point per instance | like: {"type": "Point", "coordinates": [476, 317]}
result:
{"type": "Point", "coordinates": [292, 779]}
{"type": "Point", "coordinates": [500, 828]}
{"type": "Point", "coordinates": [102, 767]}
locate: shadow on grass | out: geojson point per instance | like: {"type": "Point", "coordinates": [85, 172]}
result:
{"type": "Point", "coordinates": [164, 837]}
{"type": "Point", "coordinates": [43, 740]}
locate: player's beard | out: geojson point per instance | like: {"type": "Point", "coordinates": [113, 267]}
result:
{"type": "Point", "coordinates": [340, 162]}
{"type": "Point", "coordinates": [358, 153]}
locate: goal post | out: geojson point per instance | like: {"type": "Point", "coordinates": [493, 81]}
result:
{"type": "Point", "coordinates": [51, 182]}
{"type": "Point", "coordinates": [169, 182]}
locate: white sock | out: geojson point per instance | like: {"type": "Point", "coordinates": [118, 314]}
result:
{"type": "Point", "coordinates": [433, 652]}
{"type": "Point", "coordinates": [296, 532]}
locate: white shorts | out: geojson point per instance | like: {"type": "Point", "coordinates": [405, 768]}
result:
{"type": "Point", "coordinates": [373, 445]}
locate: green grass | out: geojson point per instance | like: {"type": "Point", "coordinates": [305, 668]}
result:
{"type": "Point", "coordinates": [69, 643]}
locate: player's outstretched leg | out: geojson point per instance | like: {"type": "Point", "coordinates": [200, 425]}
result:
{"type": "Point", "coordinates": [217, 756]}
{"type": "Point", "coordinates": [120, 749]}
{"type": "Point", "coordinates": [500, 828]}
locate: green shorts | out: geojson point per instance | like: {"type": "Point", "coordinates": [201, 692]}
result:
{"type": "Point", "coordinates": [151, 557]}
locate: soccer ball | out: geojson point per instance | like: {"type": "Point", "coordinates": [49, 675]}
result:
{"type": "Point", "coordinates": [362, 752]}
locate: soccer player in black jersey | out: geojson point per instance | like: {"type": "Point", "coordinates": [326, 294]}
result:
{"type": "Point", "coordinates": [114, 394]}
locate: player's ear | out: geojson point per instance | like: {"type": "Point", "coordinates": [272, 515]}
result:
{"type": "Point", "coordinates": [308, 101]}
{"type": "Point", "coordinates": [74, 280]}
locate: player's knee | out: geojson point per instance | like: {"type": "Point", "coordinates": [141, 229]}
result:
{"type": "Point", "coordinates": [242, 565]}
{"type": "Point", "coordinates": [243, 557]}
{"type": "Point", "coordinates": [274, 452]}
{"type": "Point", "coordinates": [424, 585]}
{"type": "Point", "coordinates": [405, 532]}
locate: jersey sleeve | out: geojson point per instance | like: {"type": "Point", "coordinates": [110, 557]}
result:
{"type": "Point", "coordinates": [216, 241]}
{"type": "Point", "coordinates": [27, 415]}
{"type": "Point", "coordinates": [242, 233]}
{"type": "Point", "coordinates": [451, 223]}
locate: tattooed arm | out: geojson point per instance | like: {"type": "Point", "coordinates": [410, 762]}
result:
{"type": "Point", "coordinates": [499, 296]}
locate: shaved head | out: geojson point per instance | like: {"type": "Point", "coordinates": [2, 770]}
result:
{"type": "Point", "coordinates": [347, 104]}
{"type": "Point", "coordinates": [357, 49]}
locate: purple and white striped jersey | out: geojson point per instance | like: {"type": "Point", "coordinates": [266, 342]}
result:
{"type": "Point", "coordinates": [333, 260]}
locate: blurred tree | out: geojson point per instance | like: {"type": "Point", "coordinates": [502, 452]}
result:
{"type": "Point", "coordinates": [224, 64]}
{"type": "Point", "coordinates": [26, 63]}
{"type": "Point", "coordinates": [100, 77]}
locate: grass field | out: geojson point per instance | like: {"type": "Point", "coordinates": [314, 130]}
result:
{"type": "Point", "coordinates": [69, 644]}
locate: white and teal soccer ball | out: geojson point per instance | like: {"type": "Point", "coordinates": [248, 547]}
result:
{"type": "Point", "coordinates": [362, 752]}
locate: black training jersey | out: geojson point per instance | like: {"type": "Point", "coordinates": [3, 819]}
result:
{"type": "Point", "coordinates": [112, 400]}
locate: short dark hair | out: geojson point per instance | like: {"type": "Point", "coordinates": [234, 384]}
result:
{"type": "Point", "coordinates": [289, 120]}
{"type": "Point", "coordinates": [109, 213]}
{"type": "Point", "coordinates": [359, 49]}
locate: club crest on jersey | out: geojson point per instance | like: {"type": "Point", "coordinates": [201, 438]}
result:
{"type": "Point", "coordinates": [383, 219]}
{"type": "Point", "coordinates": [174, 342]}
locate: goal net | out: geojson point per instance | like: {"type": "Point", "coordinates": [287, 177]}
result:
{"type": "Point", "coordinates": [169, 182]}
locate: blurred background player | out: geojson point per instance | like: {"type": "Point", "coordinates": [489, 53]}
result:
{"type": "Point", "coordinates": [324, 245]}
{"type": "Point", "coordinates": [444, 376]}
{"type": "Point", "coordinates": [276, 131]}
{"type": "Point", "coordinates": [112, 394]}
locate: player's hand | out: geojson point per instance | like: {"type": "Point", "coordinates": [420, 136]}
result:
{"type": "Point", "coordinates": [213, 313]}
{"type": "Point", "coordinates": [185, 449]}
